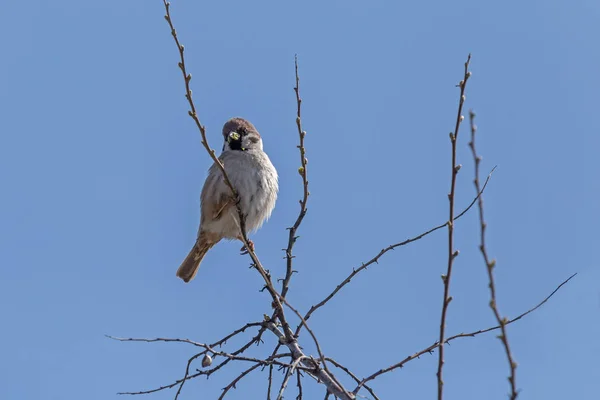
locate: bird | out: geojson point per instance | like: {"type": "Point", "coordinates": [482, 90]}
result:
{"type": "Point", "coordinates": [255, 179]}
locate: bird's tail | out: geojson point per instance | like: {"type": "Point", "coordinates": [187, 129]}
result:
{"type": "Point", "coordinates": [188, 268]}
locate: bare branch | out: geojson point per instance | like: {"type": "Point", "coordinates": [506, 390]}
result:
{"type": "Point", "coordinates": [312, 367]}
{"type": "Point", "coordinates": [208, 349]}
{"type": "Point", "coordinates": [188, 341]}
{"type": "Point", "coordinates": [460, 335]}
{"type": "Point", "coordinates": [375, 259]}
{"type": "Point", "coordinates": [288, 375]}
{"type": "Point", "coordinates": [451, 252]}
{"type": "Point", "coordinates": [299, 385]}
{"type": "Point", "coordinates": [303, 173]}
{"type": "Point", "coordinates": [268, 362]}
{"type": "Point", "coordinates": [236, 380]}
{"type": "Point", "coordinates": [188, 95]}
{"type": "Point", "coordinates": [156, 340]}
{"type": "Point", "coordinates": [321, 356]}
{"type": "Point", "coordinates": [222, 341]}
{"type": "Point", "coordinates": [347, 371]}
{"type": "Point", "coordinates": [270, 380]}
{"type": "Point", "coordinates": [490, 268]}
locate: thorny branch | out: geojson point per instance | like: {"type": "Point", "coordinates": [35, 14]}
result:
{"type": "Point", "coordinates": [375, 260]}
{"type": "Point", "coordinates": [188, 95]}
{"type": "Point", "coordinates": [288, 375]}
{"type": "Point", "coordinates": [299, 385]}
{"type": "Point", "coordinates": [452, 254]}
{"type": "Point", "coordinates": [322, 357]}
{"type": "Point", "coordinates": [192, 113]}
{"type": "Point", "coordinates": [460, 335]}
{"type": "Point", "coordinates": [490, 264]}
{"type": "Point", "coordinates": [303, 173]}
{"type": "Point", "coordinates": [208, 350]}
{"type": "Point", "coordinates": [299, 363]}
{"type": "Point", "coordinates": [347, 371]}
{"type": "Point", "coordinates": [290, 341]}
{"type": "Point", "coordinates": [237, 379]}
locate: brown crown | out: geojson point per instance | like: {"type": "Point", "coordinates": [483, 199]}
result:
{"type": "Point", "coordinates": [238, 124]}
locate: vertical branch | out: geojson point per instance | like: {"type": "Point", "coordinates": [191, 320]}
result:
{"type": "Point", "coordinates": [299, 384]}
{"type": "Point", "coordinates": [270, 379]}
{"type": "Point", "coordinates": [452, 254]}
{"type": "Point", "coordinates": [302, 172]}
{"type": "Point", "coordinates": [288, 375]}
{"type": "Point", "coordinates": [490, 264]}
{"type": "Point", "coordinates": [188, 95]}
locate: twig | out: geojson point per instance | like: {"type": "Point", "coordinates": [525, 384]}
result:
{"type": "Point", "coordinates": [188, 341]}
{"type": "Point", "coordinates": [299, 385]}
{"type": "Point", "coordinates": [452, 254]}
{"type": "Point", "coordinates": [208, 349]}
{"type": "Point", "coordinates": [188, 95]}
{"type": "Point", "coordinates": [303, 173]}
{"type": "Point", "coordinates": [238, 331]}
{"type": "Point", "coordinates": [347, 371]}
{"type": "Point", "coordinates": [156, 340]}
{"type": "Point", "coordinates": [288, 375]}
{"type": "Point", "coordinates": [490, 264]}
{"type": "Point", "coordinates": [270, 380]}
{"type": "Point", "coordinates": [312, 367]}
{"type": "Point", "coordinates": [303, 321]}
{"type": "Point", "coordinates": [236, 380]}
{"type": "Point", "coordinates": [187, 373]}
{"type": "Point", "coordinates": [375, 259]}
{"type": "Point", "coordinates": [460, 335]}
{"type": "Point", "coordinates": [321, 356]}
{"type": "Point", "coordinates": [209, 372]}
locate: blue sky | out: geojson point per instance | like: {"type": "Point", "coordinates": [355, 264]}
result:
{"type": "Point", "coordinates": [102, 170]}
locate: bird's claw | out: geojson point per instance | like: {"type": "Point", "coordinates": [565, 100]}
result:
{"type": "Point", "coordinates": [244, 250]}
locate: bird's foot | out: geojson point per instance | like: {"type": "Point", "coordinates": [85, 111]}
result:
{"type": "Point", "coordinates": [244, 250]}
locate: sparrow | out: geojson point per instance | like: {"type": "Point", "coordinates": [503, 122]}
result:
{"type": "Point", "coordinates": [255, 179]}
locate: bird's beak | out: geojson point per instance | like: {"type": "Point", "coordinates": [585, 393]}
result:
{"type": "Point", "coordinates": [233, 136]}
